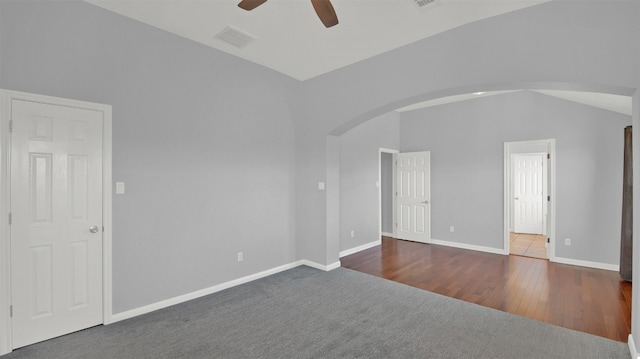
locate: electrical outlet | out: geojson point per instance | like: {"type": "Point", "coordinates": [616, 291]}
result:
{"type": "Point", "coordinates": [451, 229]}
{"type": "Point", "coordinates": [567, 241]}
{"type": "Point", "coordinates": [353, 233]}
{"type": "Point", "coordinates": [240, 257]}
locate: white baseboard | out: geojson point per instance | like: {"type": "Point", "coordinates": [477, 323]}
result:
{"type": "Point", "coordinates": [632, 348]}
{"type": "Point", "coordinates": [577, 262]}
{"type": "Point", "coordinates": [202, 292]}
{"type": "Point", "coordinates": [357, 249]}
{"type": "Point", "coordinates": [468, 246]}
{"type": "Point", "coordinates": [386, 234]}
{"type": "Point", "coordinates": [315, 265]}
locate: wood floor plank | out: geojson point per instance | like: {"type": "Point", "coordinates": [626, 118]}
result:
{"type": "Point", "coordinates": [589, 300]}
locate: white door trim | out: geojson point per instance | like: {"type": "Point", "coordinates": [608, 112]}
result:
{"type": "Point", "coordinates": [393, 186]}
{"type": "Point", "coordinates": [6, 96]}
{"type": "Point", "coordinates": [551, 191]}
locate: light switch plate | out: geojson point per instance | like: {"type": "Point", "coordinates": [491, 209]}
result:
{"type": "Point", "coordinates": [119, 187]}
{"type": "Point", "coordinates": [321, 186]}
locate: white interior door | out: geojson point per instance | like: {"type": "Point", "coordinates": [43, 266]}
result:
{"type": "Point", "coordinates": [413, 196]}
{"type": "Point", "coordinates": [528, 180]}
{"type": "Point", "coordinates": [56, 229]}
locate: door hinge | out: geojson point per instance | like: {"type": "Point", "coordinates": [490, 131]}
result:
{"type": "Point", "coordinates": [10, 218]}
{"type": "Point", "coordinates": [11, 311]}
{"type": "Point", "coordinates": [548, 156]}
{"type": "Point", "coordinates": [548, 198]}
{"type": "Point", "coordinates": [10, 126]}
{"type": "Point", "coordinates": [396, 224]}
{"type": "Point", "coordinates": [548, 240]}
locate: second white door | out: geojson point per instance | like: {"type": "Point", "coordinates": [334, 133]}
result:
{"type": "Point", "coordinates": [413, 196]}
{"type": "Point", "coordinates": [528, 189]}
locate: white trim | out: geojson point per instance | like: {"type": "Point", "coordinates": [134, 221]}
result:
{"type": "Point", "coordinates": [326, 268]}
{"type": "Point", "coordinates": [467, 246]}
{"type": "Point", "coordinates": [200, 293]}
{"type": "Point", "coordinates": [107, 218]}
{"type": "Point", "coordinates": [217, 288]}
{"type": "Point", "coordinates": [581, 263]}
{"type": "Point", "coordinates": [551, 190]}
{"type": "Point", "coordinates": [506, 203]}
{"type": "Point", "coordinates": [632, 348]}
{"type": "Point", "coordinates": [5, 289]}
{"type": "Point", "coordinates": [5, 267]}
{"type": "Point", "coordinates": [386, 234]}
{"type": "Point", "coordinates": [357, 249]}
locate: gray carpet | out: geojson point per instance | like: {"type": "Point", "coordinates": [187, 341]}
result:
{"type": "Point", "coordinates": [306, 313]}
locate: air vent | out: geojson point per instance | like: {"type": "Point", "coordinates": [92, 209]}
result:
{"type": "Point", "coordinates": [422, 3]}
{"type": "Point", "coordinates": [235, 37]}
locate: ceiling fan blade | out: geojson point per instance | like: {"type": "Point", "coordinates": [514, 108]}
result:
{"type": "Point", "coordinates": [250, 4]}
{"type": "Point", "coordinates": [325, 12]}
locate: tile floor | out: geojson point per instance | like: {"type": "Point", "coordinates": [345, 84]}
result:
{"type": "Point", "coordinates": [528, 245]}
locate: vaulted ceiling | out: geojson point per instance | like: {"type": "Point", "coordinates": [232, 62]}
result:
{"type": "Point", "coordinates": [290, 38]}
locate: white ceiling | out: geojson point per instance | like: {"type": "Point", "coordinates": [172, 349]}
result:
{"type": "Point", "coordinates": [616, 103]}
{"type": "Point", "coordinates": [292, 40]}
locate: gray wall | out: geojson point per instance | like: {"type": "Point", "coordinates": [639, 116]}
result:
{"type": "Point", "coordinates": [466, 141]}
{"type": "Point", "coordinates": [359, 171]}
{"type": "Point", "coordinates": [386, 192]}
{"type": "Point", "coordinates": [78, 51]}
{"type": "Point", "coordinates": [590, 45]}
{"type": "Point", "coordinates": [203, 140]}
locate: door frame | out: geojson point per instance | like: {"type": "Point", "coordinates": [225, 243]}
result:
{"type": "Point", "coordinates": [393, 188]}
{"type": "Point", "coordinates": [6, 96]}
{"type": "Point", "coordinates": [551, 191]}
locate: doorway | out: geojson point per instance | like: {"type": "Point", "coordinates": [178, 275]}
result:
{"type": "Point", "coordinates": [55, 184]}
{"type": "Point", "coordinates": [528, 199]}
{"type": "Point", "coordinates": [386, 186]}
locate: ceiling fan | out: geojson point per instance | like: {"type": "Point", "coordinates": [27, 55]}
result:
{"type": "Point", "coordinates": [323, 8]}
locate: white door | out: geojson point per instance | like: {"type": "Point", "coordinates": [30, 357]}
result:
{"type": "Point", "coordinates": [413, 196]}
{"type": "Point", "coordinates": [56, 230]}
{"type": "Point", "coordinates": [528, 192]}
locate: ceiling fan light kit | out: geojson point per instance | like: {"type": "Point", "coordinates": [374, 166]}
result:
{"type": "Point", "coordinates": [324, 9]}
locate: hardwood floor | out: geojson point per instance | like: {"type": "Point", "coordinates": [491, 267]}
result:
{"type": "Point", "coordinates": [528, 245]}
{"type": "Point", "coordinates": [588, 300]}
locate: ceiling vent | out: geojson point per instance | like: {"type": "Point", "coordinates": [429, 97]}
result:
{"type": "Point", "coordinates": [423, 3]}
{"type": "Point", "coordinates": [235, 37]}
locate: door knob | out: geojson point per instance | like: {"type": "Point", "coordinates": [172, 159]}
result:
{"type": "Point", "coordinates": [93, 229]}
{"type": "Point", "coordinates": [425, 202]}
{"type": "Point", "coordinates": [516, 198]}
